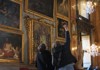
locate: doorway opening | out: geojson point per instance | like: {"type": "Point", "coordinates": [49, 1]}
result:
{"type": "Point", "coordinates": [86, 49]}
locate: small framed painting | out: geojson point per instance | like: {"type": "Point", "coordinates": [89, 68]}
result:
{"type": "Point", "coordinates": [59, 28]}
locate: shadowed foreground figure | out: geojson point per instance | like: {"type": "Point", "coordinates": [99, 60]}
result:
{"type": "Point", "coordinates": [43, 59]}
{"type": "Point", "coordinates": [61, 54]}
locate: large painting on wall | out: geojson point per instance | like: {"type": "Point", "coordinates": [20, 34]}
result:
{"type": "Point", "coordinates": [42, 8]}
{"type": "Point", "coordinates": [38, 32]}
{"type": "Point", "coordinates": [63, 7]}
{"type": "Point", "coordinates": [10, 12]}
{"type": "Point", "coordinates": [41, 34]}
{"type": "Point", "coordinates": [59, 28]}
{"type": "Point", "coordinates": [10, 47]}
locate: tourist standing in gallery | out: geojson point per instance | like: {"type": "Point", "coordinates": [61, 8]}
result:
{"type": "Point", "coordinates": [43, 58]}
{"type": "Point", "coordinates": [61, 54]}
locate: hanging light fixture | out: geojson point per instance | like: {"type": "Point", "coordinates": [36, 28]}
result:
{"type": "Point", "coordinates": [94, 50]}
{"type": "Point", "coordinates": [90, 6]}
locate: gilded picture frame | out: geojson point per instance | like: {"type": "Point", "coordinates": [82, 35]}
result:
{"type": "Point", "coordinates": [12, 46]}
{"type": "Point", "coordinates": [44, 8]}
{"type": "Point", "coordinates": [74, 28]}
{"type": "Point", "coordinates": [60, 41]}
{"type": "Point", "coordinates": [38, 32]}
{"type": "Point", "coordinates": [60, 32]}
{"type": "Point", "coordinates": [63, 8]}
{"type": "Point", "coordinates": [11, 14]}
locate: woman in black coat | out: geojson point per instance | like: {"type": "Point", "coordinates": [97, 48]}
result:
{"type": "Point", "coordinates": [44, 59]}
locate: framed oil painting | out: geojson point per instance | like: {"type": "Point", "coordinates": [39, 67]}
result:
{"type": "Point", "coordinates": [10, 14]}
{"type": "Point", "coordinates": [42, 8]}
{"type": "Point", "coordinates": [10, 47]}
{"type": "Point", "coordinates": [63, 8]}
{"type": "Point", "coordinates": [39, 32]}
{"type": "Point", "coordinates": [59, 28]}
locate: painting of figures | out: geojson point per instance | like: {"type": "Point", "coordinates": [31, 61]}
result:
{"type": "Point", "coordinates": [9, 13]}
{"type": "Point", "coordinates": [62, 7]}
{"type": "Point", "coordinates": [10, 46]}
{"type": "Point", "coordinates": [60, 29]}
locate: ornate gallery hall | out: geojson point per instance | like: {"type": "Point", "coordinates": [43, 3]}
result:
{"type": "Point", "coordinates": [25, 24]}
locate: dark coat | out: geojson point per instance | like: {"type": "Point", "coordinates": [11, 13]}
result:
{"type": "Point", "coordinates": [44, 60]}
{"type": "Point", "coordinates": [66, 55]}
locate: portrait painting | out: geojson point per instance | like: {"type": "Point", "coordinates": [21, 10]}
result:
{"type": "Point", "coordinates": [63, 7]}
{"type": "Point", "coordinates": [10, 13]}
{"type": "Point", "coordinates": [60, 29]}
{"type": "Point", "coordinates": [10, 46]}
{"type": "Point", "coordinates": [42, 8]}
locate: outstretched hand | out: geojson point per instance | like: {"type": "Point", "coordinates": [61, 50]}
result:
{"type": "Point", "coordinates": [65, 27]}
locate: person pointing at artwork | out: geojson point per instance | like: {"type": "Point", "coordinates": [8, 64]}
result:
{"type": "Point", "coordinates": [62, 58]}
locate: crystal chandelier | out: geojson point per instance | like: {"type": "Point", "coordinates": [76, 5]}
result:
{"type": "Point", "coordinates": [90, 7]}
{"type": "Point", "coordinates": [94, 50]}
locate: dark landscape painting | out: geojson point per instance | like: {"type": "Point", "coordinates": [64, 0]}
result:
{"type": "Point", "coordinates": [9, 13]}
{"type": "Point", "coordinates": [44, 7]}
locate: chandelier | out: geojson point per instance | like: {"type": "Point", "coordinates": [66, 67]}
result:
{"type": "Point", "coordinates": [90, 6]}
{"type": "Point", "coordinates": [94, 50]}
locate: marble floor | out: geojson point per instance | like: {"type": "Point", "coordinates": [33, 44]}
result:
{"type": "Point", "coordinates": [13, 66]}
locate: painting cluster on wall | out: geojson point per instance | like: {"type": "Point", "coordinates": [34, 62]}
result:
{"type": "Point", "coordinates": [10, 39]}
{"type": "Point", "coordinates": [11, 16]}
{"type": "Point", "coordinates": [62, 16]}
{"type": "Point", "coordinates": [48, 8]}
